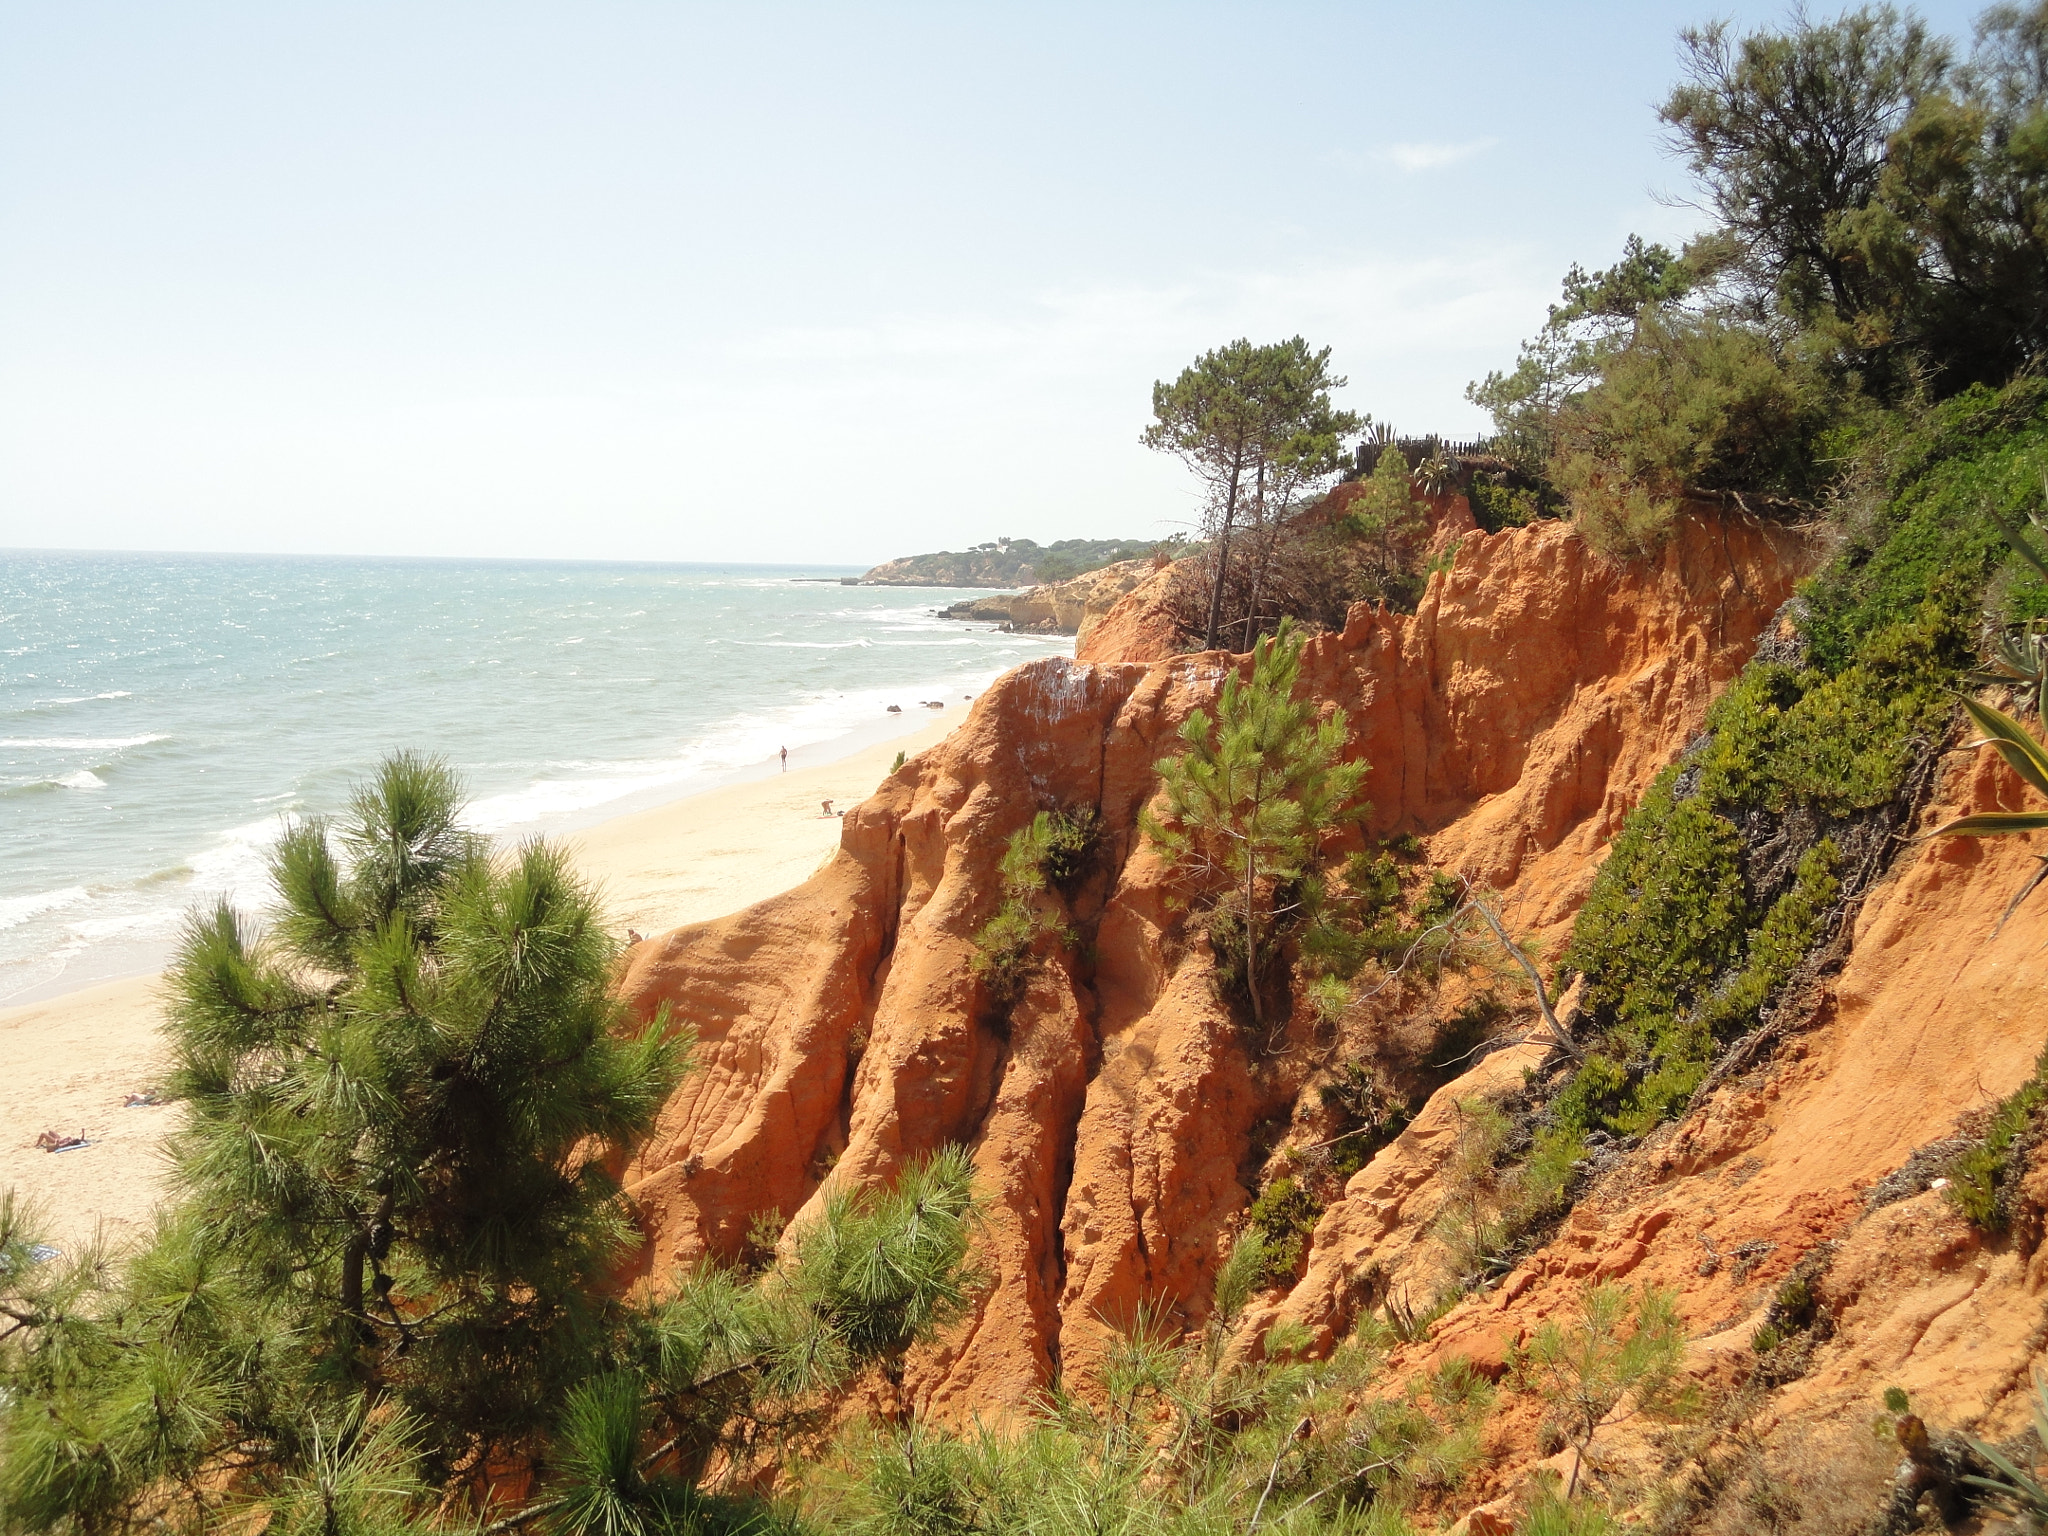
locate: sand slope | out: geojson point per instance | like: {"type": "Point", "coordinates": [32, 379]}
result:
{"type": "Point", "coordinates": [67, 1063]}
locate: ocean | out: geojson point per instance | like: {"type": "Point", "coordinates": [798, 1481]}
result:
{"type": "Point", "coordinates": [161, 715]}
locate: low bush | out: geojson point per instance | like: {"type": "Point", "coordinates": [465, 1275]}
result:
{"type": "Point", "coordinates": [1499, 502]}
{"type": "Point", "coordinates": [1679, 949]}
{"type": "Point", "coordinates": [1690, 403]}
{"type": "Point", "coordinates": [1050, 850]}
{"type": "Point", "coordinates": [1285, 1216]}
{"type": "Point", "coordinates": [1981, 1182]}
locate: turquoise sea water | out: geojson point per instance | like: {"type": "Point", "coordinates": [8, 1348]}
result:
{"type": "Point", "coordinates": [159, 714]}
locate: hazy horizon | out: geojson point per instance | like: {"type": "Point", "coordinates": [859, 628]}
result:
{"type": "Point", "coordinates": [647, 282]}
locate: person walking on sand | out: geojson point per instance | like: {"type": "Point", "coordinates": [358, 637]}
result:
{"type": "Point", "coordinates": [785, 759]}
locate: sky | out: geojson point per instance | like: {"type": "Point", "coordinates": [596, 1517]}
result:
{"type": "Point", "coordinates": [762, 282]}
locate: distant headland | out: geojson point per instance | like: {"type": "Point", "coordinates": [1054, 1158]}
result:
{"type": "Point", "coordinates": [1004, 562]}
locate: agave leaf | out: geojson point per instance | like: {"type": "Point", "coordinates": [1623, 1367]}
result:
{"type": "Point", "coordinates": [2021, 544]}
{"type": "Point", "coordinates": [2029, 759]}
{"type": "Point", "coordinates": [1993, 823]}
{"type": "Point", "coordinates": [2012, 1483]}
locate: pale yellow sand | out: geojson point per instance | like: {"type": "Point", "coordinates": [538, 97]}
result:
{"type": "Point", "coordinates": [67, 1064]}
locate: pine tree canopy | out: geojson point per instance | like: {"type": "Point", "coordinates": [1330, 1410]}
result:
{"type": "Point", "coordinates": [1248, 801]}
{"type": "Point", "coordinates": [388, 1282]}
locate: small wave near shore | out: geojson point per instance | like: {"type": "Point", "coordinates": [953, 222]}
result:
{"type": "Point", "coordinates": [151, 771]}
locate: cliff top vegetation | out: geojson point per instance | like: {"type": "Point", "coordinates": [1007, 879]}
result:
{"type": "Point", "coordinates": [1007, 562]}
{"type": "Point", "coordinates": [388, 1298]}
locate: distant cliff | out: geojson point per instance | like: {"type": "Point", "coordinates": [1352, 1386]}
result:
{"type": "Point", "coordinates": [1007, 563]}
{"type": "Point", "coordinates": [1068, 607]}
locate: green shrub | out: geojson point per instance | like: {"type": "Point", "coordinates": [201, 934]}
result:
{"type": "Point", "coordinates": [1284, 1216]}
{"type": "Point", "coordinates": [1981, 1180]}
{"type": "Point", "coordinates": [1667, 913]}
{"type": "Point", "coordinates": [1051, 849]}
{"type": "Point", "coordinates": [1657, 1054]}
{"type": "Point", "coordinates": [1839, 743]}
{"type": "Point", "coordinates": [1924, 532]}
{"type": "Point", "coordinates": [1489, 1212]}
{"type": "Point", "coordinates": [1497, 504]}
{"type": "Point", "coordinates": [1676, 954]}
{"type": "Point", "coordinates": [1788, 932]}
{"type": "Point", "coordinates": [1688, 403]}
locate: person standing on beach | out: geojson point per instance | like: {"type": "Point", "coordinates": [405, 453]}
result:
{"type": "Point", "coordinates": [785, 759]}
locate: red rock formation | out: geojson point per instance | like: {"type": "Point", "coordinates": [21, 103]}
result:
{"type": "Point", "coordinates": [1138, 626]}
{"type": "Point", "coordinates": [1936, 1014]}
{"type": "Point", "coordinates": [1112, 1110]}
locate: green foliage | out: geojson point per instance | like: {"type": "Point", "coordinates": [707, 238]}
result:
{"type": "Point", "coordinates": [1284, 1216]}
{"type": "Point", "coordinates": [1666, 1020]}
{"type": "Point", "coordinates": [1548, 1512]}
{"type": "Point", "coordinates": [1982, 1180]}
{"type": "Point", "coordinates": [1250, 798]}
{"type": "Point", "coordinates": [1491, 1209]}
{"type": "Point", "coordinates": [1595, 320]}
{"type": "Point", "coordinates": [1048, 851]}
{"type": "Point", "coordinates": [1668, 911]}
{"type": "Point", "coordinates": [1388, 521]}
{"type": "Point", "coordinates": [1688, 403]}
{"type": "Point", "coordinates": [1257, 426]}
{"type": "Point", "coordinates": [1789, 930]}
{"type": "Point", "coordinates": [1498, 503]}
{"type": "Point", "coordinates": [1874, 192]}
{"type": "Point", "coordinates": [1837, 743]}
{"type": "Point", "coordinates": [901, 758]}
{"type": "Point", "coordinates": [1619, 1346]}
{"type": "Point", "coordinates": [1676, 952]}
{"type": "Point", "coordinates": [1179, 1437]}
{"type": "Point", "coordinates": [385, 1162]}
{"type": "Point", "coordinates": [393, 1259]}
{"type": "Point", "coordinates": [1927, 528]}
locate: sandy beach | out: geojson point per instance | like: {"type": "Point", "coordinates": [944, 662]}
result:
{"type": "Point", "coordinates": [66, 1064]}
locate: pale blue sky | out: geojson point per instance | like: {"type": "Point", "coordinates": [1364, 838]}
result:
{"type": "Point", "coordinates": [764, 282]}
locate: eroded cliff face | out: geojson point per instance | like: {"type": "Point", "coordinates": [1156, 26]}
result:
{"type": "Point", "coordinates": [1118, 1117]}
{"type": "Point", "coordinates": [1935, 1014]}
{"type": "Point", "coordinates": [1074, 606]}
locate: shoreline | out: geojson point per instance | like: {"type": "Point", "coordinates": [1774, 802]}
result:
{"type": "Point", "coordinates": [67, 1061]}
{"type": "Point", "coordinates": [116, 960]}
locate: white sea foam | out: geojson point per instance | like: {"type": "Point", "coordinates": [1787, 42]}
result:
{"type": "Point", "coordinates": [19, 909]}
{"type": "Point", "coordinates": [859, 643]}
{"type": "Point", "coordinates": [80, 743]}
{"type": "Point", "coordinates": [263, 725]}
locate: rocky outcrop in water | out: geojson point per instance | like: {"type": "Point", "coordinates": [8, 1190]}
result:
{"type": "Point", "coordinates": [1071, 607]}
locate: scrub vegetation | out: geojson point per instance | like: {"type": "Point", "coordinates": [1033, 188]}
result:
{"type": "Point", "coordinates": [386, 1297]}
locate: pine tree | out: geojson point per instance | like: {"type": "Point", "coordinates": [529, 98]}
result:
{"type": "Point", "coordinates": [389, 1278]}
{"type": "Point", "coordinates": [1249, 800]}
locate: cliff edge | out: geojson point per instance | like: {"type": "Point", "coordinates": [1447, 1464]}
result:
{"type": "Point", "coordinates": [1116, 1115]}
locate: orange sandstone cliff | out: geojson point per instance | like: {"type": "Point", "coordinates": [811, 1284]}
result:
{"type": "Point", "coordinates": [1117, 1117]}
{"type": "Point", "coordinates": [1120, 1121]}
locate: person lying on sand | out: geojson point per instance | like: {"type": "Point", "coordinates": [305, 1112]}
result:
{"type": "Point", "coordinates": [140, 1101]}
{"type": "Point", "coordinates": [633, 936]}
{"type": "Point", "coordinates": [57, 1141]}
